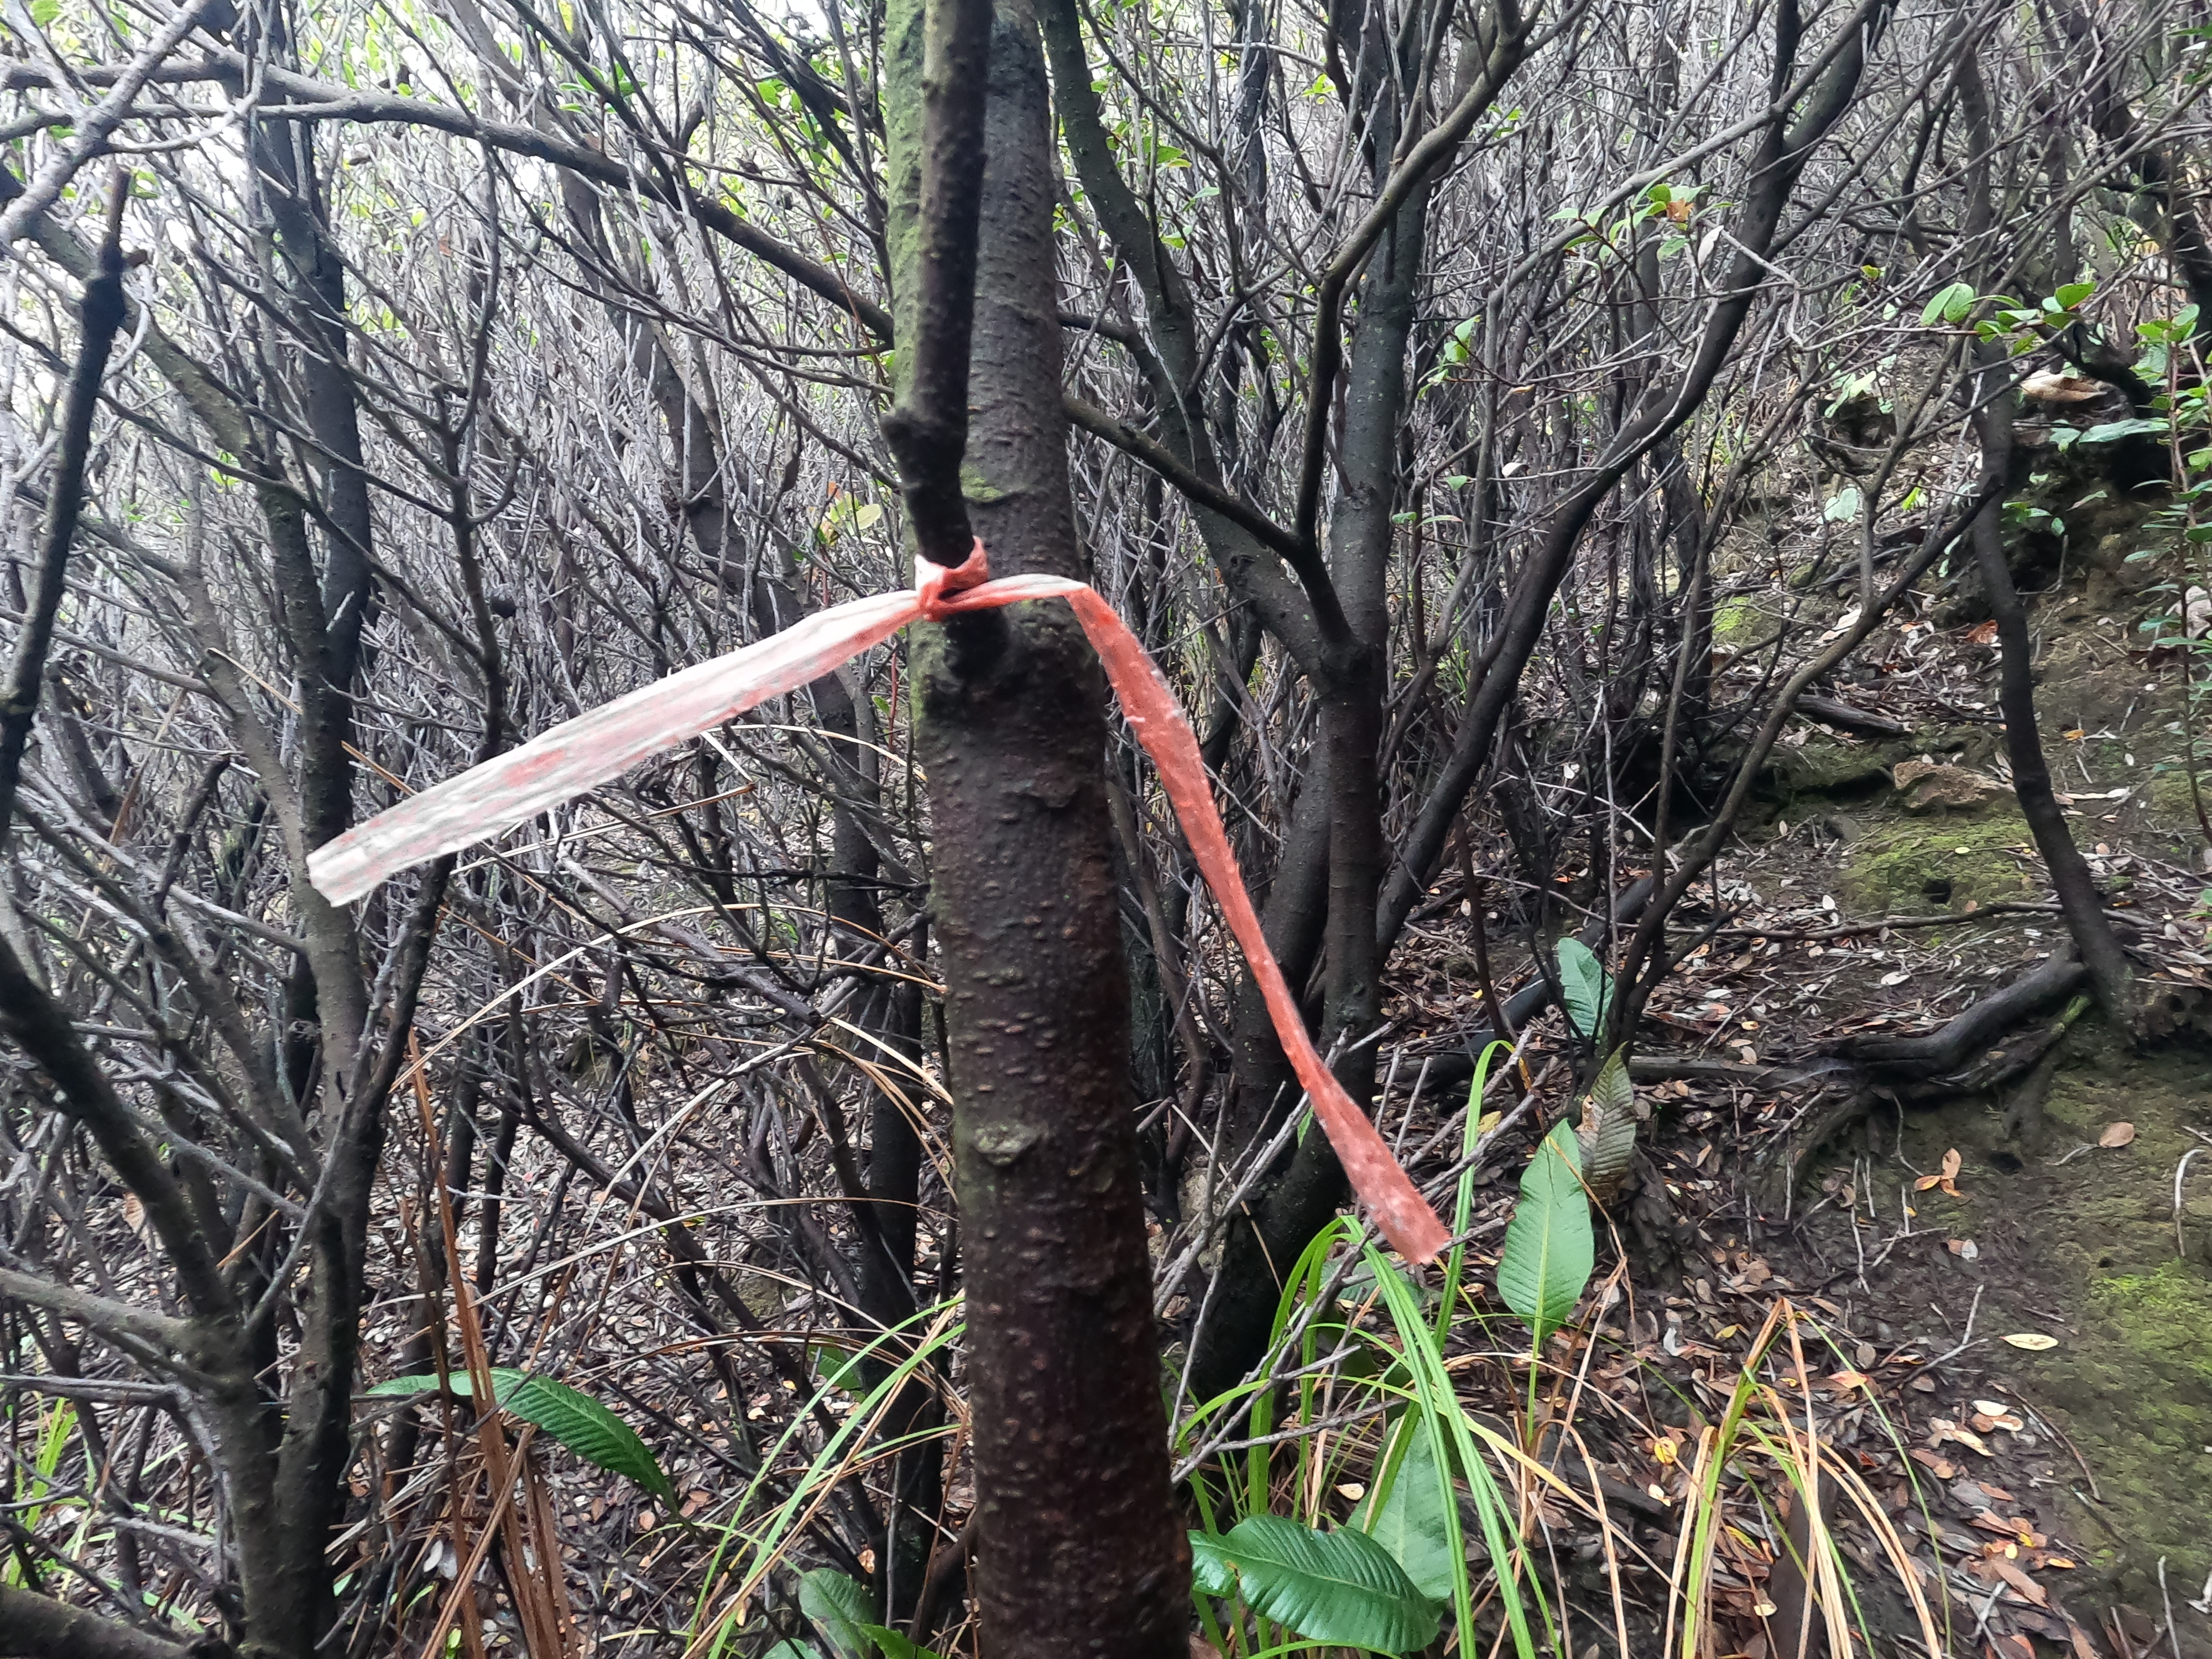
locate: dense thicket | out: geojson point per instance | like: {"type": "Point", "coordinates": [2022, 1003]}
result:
{"type": "Point", "coordinates": [1421, 380]}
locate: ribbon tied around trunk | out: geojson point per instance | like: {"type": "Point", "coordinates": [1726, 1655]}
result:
{"type": "Point", "coordinates": [573, 756]}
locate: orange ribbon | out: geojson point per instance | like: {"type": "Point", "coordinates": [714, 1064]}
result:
{"type": "Point", "coordinates": [592, 748]}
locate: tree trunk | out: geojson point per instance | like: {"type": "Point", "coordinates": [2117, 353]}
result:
{"type": "Point", "coordinates": [1079, 1550]}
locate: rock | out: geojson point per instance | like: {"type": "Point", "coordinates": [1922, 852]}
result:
{"type": "Point", "coordinates": [1929, 786]}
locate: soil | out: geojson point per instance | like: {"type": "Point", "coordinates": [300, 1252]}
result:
{"type": "Point", "coordinates": [2070, 1240]}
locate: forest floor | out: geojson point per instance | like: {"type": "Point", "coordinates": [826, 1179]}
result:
{"type": "Point", "coordinates": [2007, 1296]}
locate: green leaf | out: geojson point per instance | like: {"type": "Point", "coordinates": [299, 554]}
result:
{"type": "Point", "coordinates": [838, 1368]}
{"type": "Point", "coordinates": [791, 1650]}
{"type": "Point", "coordinates": [1607, 1137]}
{"type": "Point", "coordinates": [1843, 506]}
{"type": "Point", "coordinates": [1210, 1571]}
{"type": "Point", "coordinates": [2112, 431]}
{"type": "Point", "coordinates": [841, 1609]}
{"type": "Point", "coordinates": [1950, 304]}
{"type": "Point", "coordinates": [1408, 1518]}
{"type": "Point", "coordinates": [569, 1415]}
{"type": "Point", "coordinates": [894, 1645]}
{"type": "Point", "coordinates": [1583, 982]}
{"type": "Point", "coordinates": [2070, 294]}
{"type": "Point", "coordinates": [1339, 1587]}
{"type": "Point", "coordinates": [1549, 1247]}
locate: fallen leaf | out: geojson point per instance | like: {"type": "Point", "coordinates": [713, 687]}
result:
{"type": "Point", "coordinates": [2020, 1582]}
{"type": "Point", "coordinates": [1990, 1521]}
{"type": "Point", "coordinates": [1941, 1468]}
{"type": "Point", "coordinates": [1985, 1421]}
{"type": "Point", "coordinates": [1966, 1249]}
{"type": "Point", "coordinates": [2033, 1341]}
{"type": "Point", "coordinates": [2117, 1135]}
{"type": "Point", "coordinates": [1982, 632]}
{"type": "Point", "coordinates": [1351, 1489]}
{"type": "Point", "coordinates": [1843, 1381]}
{"type": "Point", "coordinates": [1947, 1178]}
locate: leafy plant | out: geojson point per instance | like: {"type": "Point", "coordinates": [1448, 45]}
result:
{"type": "Point", "coordinates": [1607, 1134]}
{"type": "Point", "coordinates": [55, 1427]}
{"type": "Point", "coordinates": [569, 1415]}
{"type": "Point", "coordinates": [1341, 1587]}
{"type": "Point", "coordinates": [1549, 1249]}
{"type": "Point", "coordinates": [843, 1611]}
{"type": "Point", "coordinates": [1950, 304]}
{"type": "Point", "coordinates": [755, 1539]}
{"type": "Point", "coordinates": [1405, 1511]}
{"type": "Point", "coordinates": [1585, 986]}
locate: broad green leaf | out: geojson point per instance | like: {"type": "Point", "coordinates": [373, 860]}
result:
{"type": "Point", "coordinates": [1408, 1518]}
{"type": "Point", "coordinates": [1339, 1587]}
{"type": "Point", "coordinates": [1606, 1136]}
{"type": "Point", "coordinates": [569, 1415]}
{"type": "Point", "coordinates": [1586, 986]}
{"type": "Point", "coordinates": [894, 1645]}
{"type": "Point", "coordinates": [1210, 1571]}
{"type": "Point", "coordinates": [2112, 431]}
{"type": "Point", "coordinates": [841, 1609]}
{"type": "Point", "coordinates": [2070, 294]}
{"type": "Point", "coordinates": [1549, 1247]}
{"type": "Point", "coordinates": [1950, 304]}
{"type": "Point", "coordinates": [791, 1650]}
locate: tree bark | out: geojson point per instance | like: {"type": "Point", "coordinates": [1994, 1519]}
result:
{"type": "Point", "coordinates": [1995, 400]}
{"type": "Point", "coordinates": [33, 1627]}
{"type": "Point", "coordinates": [1079, 1550]}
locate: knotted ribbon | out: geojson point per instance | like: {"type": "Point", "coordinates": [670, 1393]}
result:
{"type": "Point", "coordinates": [592, 748]}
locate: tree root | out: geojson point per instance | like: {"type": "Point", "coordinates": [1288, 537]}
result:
{"type": "Point", "coordinates": [1955, 1059]}
{"type": "Point", "coordinates": [1980, 1051]}
{"type": "Point", "coordinates": [1900, 1059]}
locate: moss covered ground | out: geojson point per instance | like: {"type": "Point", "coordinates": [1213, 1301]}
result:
{"type": "Point", "coordinates": [2082, 1249]}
